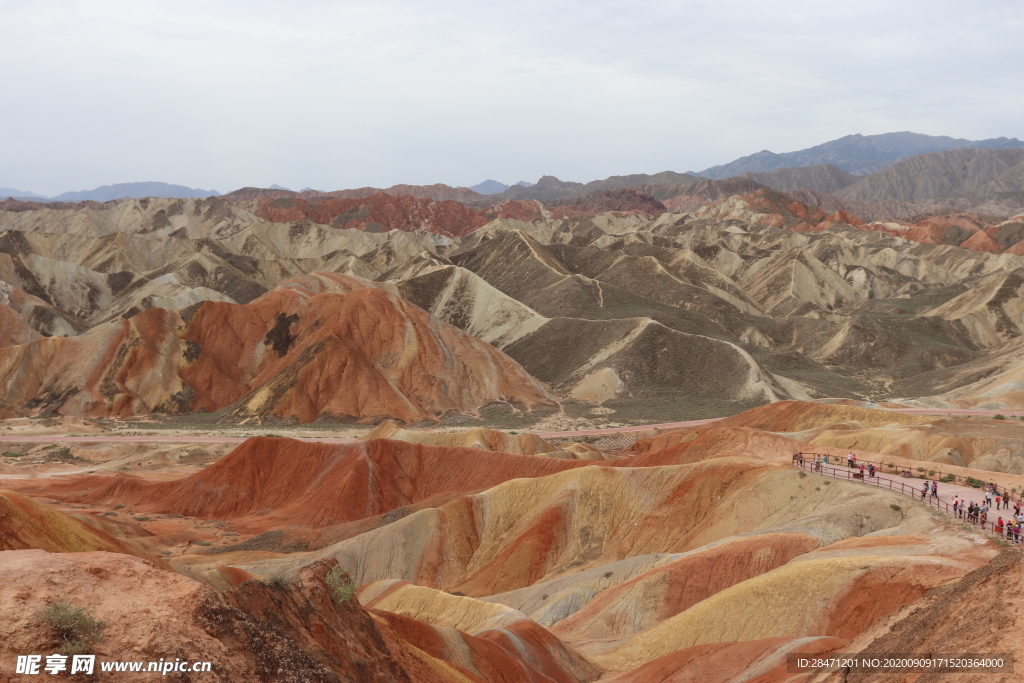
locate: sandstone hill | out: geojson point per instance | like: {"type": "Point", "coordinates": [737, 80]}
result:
{"type": "Point", "coordinates": [697, 555]}
{"type": "Point", "coordinates": [329, 345]}
{"type": "Point", "coordinates": [749, 299]}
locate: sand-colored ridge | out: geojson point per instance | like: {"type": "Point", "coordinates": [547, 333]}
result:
{"type": "Point", "coordinates": [26, 524]}
{"type": "Point", "coordinates": [759, 661]}
{"type": "Point", "coordinates": [486, 439]}
{"type": "Point", "coordinates": [660, 593]}
{"type": "Point", "coordinates": [765, 606]}
{"type": "Point", "coordinates": [437, 607]}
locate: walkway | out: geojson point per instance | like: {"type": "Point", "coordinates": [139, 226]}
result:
{"type": "Point", "coordinates": [912, 487]}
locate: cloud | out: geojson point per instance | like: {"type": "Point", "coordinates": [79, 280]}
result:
{"type": "Point", "coordinates": [345, 94]}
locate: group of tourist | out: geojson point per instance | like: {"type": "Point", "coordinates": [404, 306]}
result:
{"type": "Point", "coordinates": [975, 513]}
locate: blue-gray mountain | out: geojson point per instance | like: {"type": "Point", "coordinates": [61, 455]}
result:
{"type": "Point", "coordinates": [489, 187]}
{"type": "Point", "coordinates": [107, 193]}
{"type": "Point", "coordinates": [6, 192]}
{"type": "Point", "coordinates": [856, 154]}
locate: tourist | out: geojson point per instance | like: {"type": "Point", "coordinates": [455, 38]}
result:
{"type": "Point", "coordinates": [935, 490]}
{"type": "Point", "coordinates": [849, 460]}
{"type": "Point", "coordinates": [999, 527]}
{"type": "Point", "coordinates": [1016, 532]}
{"type": "Point", "coordinates": [871, 470]}
{"type": "Point", "coordinates": [924, 491]}
{"type": "Point", "coordinates": [999, 501]}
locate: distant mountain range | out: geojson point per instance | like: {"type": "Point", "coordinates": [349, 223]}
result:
{"type": "Point", "coordinates": [907, 172]}
{"type": "Point", "coordinates": [135, 191]}
{"type": "Point", "coordinates": [107, 193]}
{"type": "Point", "coordinates": [489, 187]}
{"type": "Point", "coordinates": [856, 154]}
{"type": "Point", "coordinates": [6, 192]}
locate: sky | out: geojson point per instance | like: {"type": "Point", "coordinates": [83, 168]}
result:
{"type": "Point", "coordinates": [223, 94]}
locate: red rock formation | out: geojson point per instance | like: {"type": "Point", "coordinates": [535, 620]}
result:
{"type": "Point", "coordinates": [256, 632]}
{"type": "Point", "coordinates": [274, 482]}
{"type": "Point", "coordinates": [319, 346]}
{"type": "Point", "coordinates": [980, 241]}
{"type": "Point", "coordinates": [522, 652]}
{"type": "Point", "coordinates": [13, 329]}
{"type": "Point", "coordinates": [382, 212]}
{"type": "Point", "coordinates": [726, 661]}
{"type": "Point", "coordinates": [377, 213]}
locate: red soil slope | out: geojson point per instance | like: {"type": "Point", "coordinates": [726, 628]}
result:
{"type": "Point", "coordinates": [521, 652]}
{"type": "Point", "coordinates": [323, 345]}
{"type": "Point", "coordinates": [273, 482]}
{"type": "Point", "coordinates": [381, 212]}
{"type": "Point", "coordinates": [256, 632]}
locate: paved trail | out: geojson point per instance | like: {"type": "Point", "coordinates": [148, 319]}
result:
{"type": "Point", "coordinates": [903, 484]}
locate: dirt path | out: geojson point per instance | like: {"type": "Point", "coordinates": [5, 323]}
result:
{"type": "Point", "coordinates": [107, 438]}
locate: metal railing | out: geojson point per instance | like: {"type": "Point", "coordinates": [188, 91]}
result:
{"type": "Point", "coordinates": [854, 474]}
{"type": "Point", "coordinates": [929, 473]}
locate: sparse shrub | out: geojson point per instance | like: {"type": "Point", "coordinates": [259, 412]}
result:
{"type": "Point", "coordinates": [277, 580]}
{"type": "Point", "coordinates": [75, 629]}
{"type": "Point", "coordinates": [920, 469]}
{"type": "Point", "coordinates": [895, 507]}
{"type": "Point", "coordinates": [999, 417]}
{"type": "Point", "coordinates": [13, 455]}
{"type": "Point", "coordinates": [931, 473]}
{"type": "Point", "coordinates": [142, 518]}
{"type": "Point", "coordinates": [119, 506]}
{"type": "Point", "coordinates": [203, 543]}
{"type": "Point", "coordinates": [341, 585]}
{"type": "Point", "coordinates": [110, 513]}
{"type": "Point", "coordinates": [607, 575]}
{"type": "Point", "coordinates": [802, 474]}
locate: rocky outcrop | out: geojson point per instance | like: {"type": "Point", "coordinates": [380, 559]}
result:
{"type": "Point", "coordinates": [256, 632]}
{"type": "Point", "coordinates": [367, 353]}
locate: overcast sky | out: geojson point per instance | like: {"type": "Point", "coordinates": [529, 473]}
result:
{"type": "Point", "coordinates": [223, 94]}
